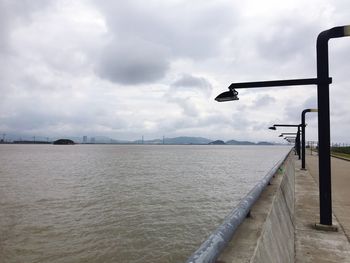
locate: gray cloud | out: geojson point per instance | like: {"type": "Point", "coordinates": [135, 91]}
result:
{"type": "Point", "coordinates": [15, 13]}
{"type": "Point", "coordinates": [117, 68]}
{"type": "Point", "coordinates": [293, 112]}
{"type": "Point", "coordinates": [188, 81]}
{"type": "Point", "coordinates": [310, 103]}
{"type": "Point", "coordinates": [133, 62]}
{"type": "Point", "coordinates": [263, 101]}
{"type": "Point", "coordinates": [190, 29]}
{"type": "Point", "coordinates": [50, 119]}
{"type": "Point", "coordinates": [289, 39]}
{"type": "Point", "coordinates": [187, 105]}
{"type": "Point", "coordinates": [185, 92]}
{"type": "Point", "coordinates": [144, 42]}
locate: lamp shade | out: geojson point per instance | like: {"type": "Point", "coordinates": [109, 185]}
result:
{"type": "Point", "coordinates": [227, 96]}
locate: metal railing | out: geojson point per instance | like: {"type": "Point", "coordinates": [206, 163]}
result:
{"type": "Point", "coordinates": [210, 249]}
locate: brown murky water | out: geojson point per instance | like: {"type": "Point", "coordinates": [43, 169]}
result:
{"type": "Point", "coordinates": [120, 203]}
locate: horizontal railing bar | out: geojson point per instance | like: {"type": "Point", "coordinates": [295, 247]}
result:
{"type": "Point", "coordinates": [210, 249]}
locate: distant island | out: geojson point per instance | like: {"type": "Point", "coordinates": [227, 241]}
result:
{"type": "Point", "coordinates": [63, 142]}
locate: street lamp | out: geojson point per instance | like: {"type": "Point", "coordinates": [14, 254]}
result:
{"type": "Point", "coordinates": [273, 127]}
{"type": "Point", "coordinates": [227, 96]}
{"type": "Point", "coordinates": [232, 94]}
{"type": "Point", "coordinates": [303, 135]}
{"type": "Point", "coordinates": [297, 140]}
{"type": "Point", "coordinates": [287, 133]}
{"type": "Point", "coordinates": [290, 139]}
{"type": "Point", "coordinates": [322, 81]}
{"type": "Point", "coordinates": [324, 159]}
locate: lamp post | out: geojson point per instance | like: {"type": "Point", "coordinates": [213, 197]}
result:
{"type": "Point", "coordinates": [273, 127]}
{"type": "Point", "coordinates": [297, 139]}
{"type": "Point", "coordinates": [324, 158]}
{"type": "Point", "coordinates": [322, 81]}
{"type": "Point", "coordinates": [303, 136]}
{"type": "Point", "coordinates": [290, 138]}
{"type": "Point", "coordinates": [287, 133]}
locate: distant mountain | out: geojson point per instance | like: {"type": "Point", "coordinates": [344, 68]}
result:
{"type": "Point", "coordinates": [154, 141]}
{"type": "Point", "coordinates": [176, 140]}
{"type": "Point", "coordinates": [186, 140]}
{"type": "Point", "coordinates": [265, 143]}
{"type": "Point", "coordinates": [217, 142]}
{"type": "Point", "coordinates": [182, 140]}
{"type": "Point", "coordinates": [234, 142]}
{"type": "Point", "coordinates": [195, 140]}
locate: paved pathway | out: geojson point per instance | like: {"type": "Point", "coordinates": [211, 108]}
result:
{"type": "Point", "coordinates": [313, 245]}
{"type": "Point", "coordinates": [340, 188]}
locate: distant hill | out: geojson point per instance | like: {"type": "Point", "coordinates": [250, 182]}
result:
{"type": "Point", "coordinates": [154, 141]}
{"type": "Point", "coordinates": [63, 142]}
{"type": "Point", "coordinates": [176, 140]}
{"type": "Point", "coordinates": [234, 142]}
{"type": "Point", "coordinates": [186, 140]}
{"type": "Point", "coordinates": [265, 143]}
{"type": "Point", "coordinates": [182, 140]}
{"type": "Point", "coordinates": [217, 142]}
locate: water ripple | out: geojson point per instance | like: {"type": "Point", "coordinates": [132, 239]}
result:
{"type": "Point", "coordinates": [136, 203]}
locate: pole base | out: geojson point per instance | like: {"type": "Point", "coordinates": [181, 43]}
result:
{"type": "Point", "coordinates": [331, 228]}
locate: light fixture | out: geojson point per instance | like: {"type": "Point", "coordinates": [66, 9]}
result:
{"type": "Point", "coordinates": [227, 96]}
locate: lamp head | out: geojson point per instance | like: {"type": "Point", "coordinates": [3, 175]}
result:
{"type": "Point", "coordinates": [346, 31]}
{"type": "Point", "coordinates": [272, 128]}
{"type": "Point", "coordinates": [227, 96]}
{"type": "Point", "coordinates": [281, 135]}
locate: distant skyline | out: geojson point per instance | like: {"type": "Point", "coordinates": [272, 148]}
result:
{"type": "Point", "coordinates": [126, 69]}
{"type": "Point", "coordinates": [182, 140]}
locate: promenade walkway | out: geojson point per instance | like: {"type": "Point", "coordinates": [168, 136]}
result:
{"type": "Point", "coordinates": [315, 245]}
{"type": "Point", "coordinates": [340, 188]}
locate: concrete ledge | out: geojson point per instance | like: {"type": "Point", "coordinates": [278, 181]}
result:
{"type": "Point", "coordinates": [282, 224]}
{"type": "Point", "coordinates": [268, 235]}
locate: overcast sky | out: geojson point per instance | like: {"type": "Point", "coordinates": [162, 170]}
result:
{"type": "Point", "coordinates": [124, 69]}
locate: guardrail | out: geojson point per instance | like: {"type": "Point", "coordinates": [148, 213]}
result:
{"type": "Point", "coordinates": [210, 249]}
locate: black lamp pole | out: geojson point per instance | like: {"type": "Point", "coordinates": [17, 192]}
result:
{"type": "Point", "coordinates": [287, 133]}
{"type": "Point", "coordinates": [297, 138]}
{"type": "Point", "coordinates": [290, 139]}
{"type": "Point", "coordinates": [322, 81]}
{"type": "Point", "coordinates": [303, 136]}
{"type": "Point", "coordinates": [273, 127]}
{"type": "Point", "coordinates": [324, 158]}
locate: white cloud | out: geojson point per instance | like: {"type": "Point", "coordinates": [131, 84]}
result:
{"type": "Point", "coordinates": [126, 68]}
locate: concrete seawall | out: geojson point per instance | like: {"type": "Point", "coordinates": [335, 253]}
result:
{"type": "Point", "coordinates": [281, 225]}
{"type": "Point", "coordinates": [268, 234]}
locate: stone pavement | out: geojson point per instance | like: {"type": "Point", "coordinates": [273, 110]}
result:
{"type": "Point", "coordinates": [313, 245]}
